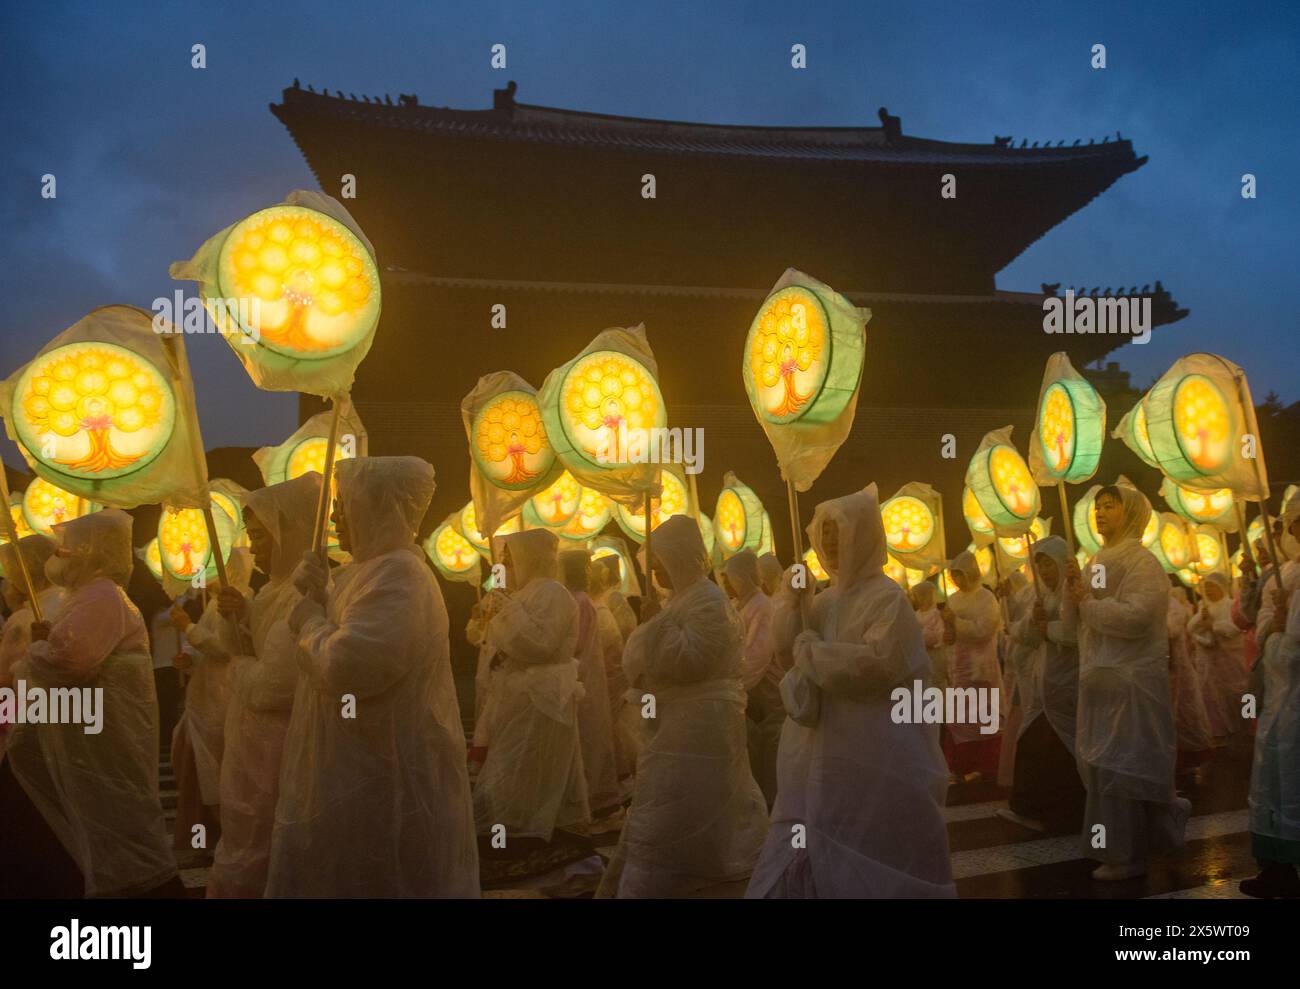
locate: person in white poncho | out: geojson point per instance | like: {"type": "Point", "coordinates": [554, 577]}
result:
{"type": "Point", "coordinates": [98, 792]}
{"type": "Point", "coordinates": [623, 716]}
{"type": "Point", "coordinates": [532, 781]}
{"type": "Point", "coordinates": [262, 684]}
{"type": "Point", "coordinates": [1218, 646]}
{"type": "Point", "coordinates": [1125, 740]}
{"type": "Point", "coordinates": [1275, 774]}
{"type": "Point", "coordinates": [859, 807]}
{"type": "Point", "coordinates": [1047, 793]}
{"type": "Point", "coordinates": [16, 635]}
{"type": "Point", "coordinates": [199, 737]}
{"type": "Point", "coordinates": [697, 816]}
{"type": "Point", "coordinates": [973, 620]}
{"type": "Point", "coordinates": [374, 793]}
{"type": "Point", "coordinates": [1191, 720]}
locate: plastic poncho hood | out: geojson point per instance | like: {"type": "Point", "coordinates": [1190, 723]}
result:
{"type": "Point", "coordinates": [861, 535]}
{"type": "Point", "coordinates": [384, 500]}
{"type": "Point", "coordinates": [678, 545]}
{"type": "Point", "coordinates": [35, 550]}
{"type": "Point", "coordinates": [99, 545]}
{"type": "Point", "coordinates": [287, 511]}
{"type": "Point", "coordinates": [534, 554]}
{"type": "Point", "coordinates": [1137, 511]}
{"type": "Point", "coordinates": [743, 572]}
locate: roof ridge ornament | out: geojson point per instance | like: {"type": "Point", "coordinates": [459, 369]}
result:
{"type": "Point", "coordinates": [504, 99]}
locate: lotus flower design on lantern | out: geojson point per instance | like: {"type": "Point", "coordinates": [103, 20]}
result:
{"type": "Point", "coordinates": [1202, 423]}
{"type": "Point", "coordinates": [788, 346]}
{"type": "Point", "coordinates": [908, 524]}
{"type": "Point", "coordinates": [608, 401]}
{"type": "Point", "coordinates": [509, 441]}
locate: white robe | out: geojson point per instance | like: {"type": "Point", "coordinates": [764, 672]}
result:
{"type": "Point", "coordinates": [1275, 775]}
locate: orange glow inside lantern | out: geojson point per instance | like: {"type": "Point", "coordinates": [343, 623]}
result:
{"type": "Point", "coordinates": [974, 515]}
{"type": "Point", "coordinates": [558, 503]}
{"type": "Point", "coordinates": [814, 565]}
{"type": "Point", "coordinates": [1057, 430]}
{"type": "Point", "coordinates": [509, 444]}
{"type": "Point", "coordinates": [787, 353]}
{"type": "Point", "coordinates": [305, 285]}
{"type": "Point", "coordinates": [909, 524]}
{"type": "Point", "coordinates": [454, 552]}
{"type": "Point", "coordinates": [45, 505]}
{"type": "Point", "coordinates": [673, 500]}
{"type": "Point", "coordinates": [594, 510]}
{"type": "Point", "coordinates": [1012, 481]}
{"type": "Point", "coordinates": [1202, 423]}
{"type": "Point", "coordinates": [93, 410]}
{"type": "Point", "coordinates": [1209, 553]}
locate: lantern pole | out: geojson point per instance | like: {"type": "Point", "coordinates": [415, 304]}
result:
{"type": "Point", "coordinates": [649, 560]}
{"type": "Point", "coordinates": [318, 541]}
{"type": "Point", "coordinates": [11, 530]}
{"type": "Point", "coordinates": [1031, 546]}
{"type": "Point", "coordinates": [1247, 551]}
{"type": "Point", "coordinates": [1065, 517]}
{"type": "Point", "coordinates": [1193, 557]}
{"type": "Point", "coordinates": [792, 496]}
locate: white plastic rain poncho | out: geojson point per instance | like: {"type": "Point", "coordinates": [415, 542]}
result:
{"type": "Point", "coordinates": [869, 792]}
{"type": "Point", "coordinates": [924, 599]}
{"type": "Point", "coordinates": [1275, 773]}
{"type": "Point", "coordinates": [1048, 679]}
{"type": "Point", "coordinates": [595, 726]}
{"type": "Point", "coordinates": [1219, 648]}
{"type": "Point", "coordinates": [623, 715]}
{"type": "Point", "coordinates": [262, 687]}
{"type": "Point", "coordinates": [98, 792]}
{"type": "Point", "coordinates": [977, 620]}
{"type": "Point", "coordinates": [1125, 739]}
{"type": "Point", "coordinates": [532, 780]}
{"type": "Point", "coordinates": [769, 574]}
{"type": "Point", "coordinates": [16, 635]}
{"type": "Point", "coordinates": [374, 792]}
{"type": "Point", "coordinates": [697, 816]}
{"type": "Point", "coordinates": [760, 672]}
{"type": "Point", "coordinates": [1191, 720]}
{"type": "Point", "coordinates": [207, 691]}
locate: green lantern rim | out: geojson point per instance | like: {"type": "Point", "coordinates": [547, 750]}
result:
{"type": "Point", "coordinates": [364, 321]}
{"type": "Point", "coordinates": [32, 441]}
{"type": "Point", "coordinates": [1002, 502]}
{"type": "Point", "coordinates": [805, 295]}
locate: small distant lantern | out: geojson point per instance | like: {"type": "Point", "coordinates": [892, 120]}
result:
{"type": "Point", "coordinates": [185, 550]}
{"type": "Point", "coordinates": [1003, 484]}
{"type": "Point", "coordinates": [1213, 507]}
{"type": "Point", "coordinates": [45, 505]}
{"type": "Point", "coordinates": [451, 553]}
{"type": "Point", "coordinates": [737, 517]}
{"type": "Point", "coordinates": [674, 499]}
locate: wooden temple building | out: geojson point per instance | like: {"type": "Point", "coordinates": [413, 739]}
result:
{"type": "Point", "coordinates": [541, 210]}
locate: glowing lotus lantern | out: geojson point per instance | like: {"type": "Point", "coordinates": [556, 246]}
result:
{"type": "Point", "coordinates": [594, 512]}
{"type": "Point", "coordinates": [186, 552]}
{"type": "Point", "coordinates": [1070, 426]}
{"type": "Point", "coordinates": [1213, 507]}
{"type": "Point", "coordinates": [1014, 550]}
{"type": "Point", "coordinates": [44, 506]}
{"type": "Point", "coordinates": [1003, 484]}
{"type": "Point", "coordinates": [674, 499]}
{"type": "Point", "coordinates": [1208, 556]}
{"type": "Point", "coordinates": [451, 553]}
{"type": "Point", "coordinates": [1172, 545]}
{"type": "Point", "coordinates": [737, 517]}
{"type": "Point", "coordinates": [913, 523]}
{"type": "Point", "coordinates": [295, 291]}
{"type": "Point", "coordinates": [467, 524]}
{"type": "Point", "coordinates": [1202, 423]}
{"type": "Point", "coordinates": [555, 506]}
{"type": "Point", "coordinates": [601, 410]}
{"type": "Point", "coordinates": [815, 565]}
{"type": "Point", "coordinates": [981, 529]}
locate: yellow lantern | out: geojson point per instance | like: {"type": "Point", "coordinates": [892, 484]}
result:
{"type": "Point", "coordinates": [674, 500]}
{"type": "Point", "coordinates": [556, 505]}
{"type": "Point", "coordinates": [594, 511]}
{"type": "Point", "coordinates": [44, 506]}
{"type": "Point", "coordinates": [814, 565]}
{"type": "Point", "coordinates": [451, 553]}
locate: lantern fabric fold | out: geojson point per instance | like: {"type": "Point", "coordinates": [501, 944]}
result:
{"type": "Point", "coordinates": [601, 411]}
{"type": "Point", "coordinates": [1202, 427]}
{"type": "Point", "coordinates": [512, 457]}
{"type": "Point", "coordinates": [294, 289]}
{"type": "Point", "coordinates": [802, 370]}
{"type": "Point", "coordinates": [1003, 485]}
{"type": "Point", "coordinates": [1070, 426]}
{"type": "Point", "coordinates": [1132, 431]}
{"type": "Point", "coordinates": [1212, 507]}
{"type": "Point", "coordinates": [913, 521]}
{"type": "Point", "coordinates": [299, 454]}
{"type": "Point", "coordinates": [99, 413]}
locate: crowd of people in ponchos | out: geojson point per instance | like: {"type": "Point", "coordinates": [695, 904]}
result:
{"type": "Point", "coordinates": [736, 726]}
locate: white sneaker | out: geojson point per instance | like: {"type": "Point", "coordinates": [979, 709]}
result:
{"type": "Point", "coordinates": [1032, 823]}
{"type": "Point", "coordinates": [1113, 873]}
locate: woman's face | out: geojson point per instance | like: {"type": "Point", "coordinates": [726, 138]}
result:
{"type": "Point", "coordinates": [341, 526]}
{"type": "Point", "coordinates": [1110, 516]}
{"type": "Point", "coordinates": [1049, 571]}
{"type": "Point", "coordinates": [260, 542]}
{"type": "Point", "coordinates": [831, 545]}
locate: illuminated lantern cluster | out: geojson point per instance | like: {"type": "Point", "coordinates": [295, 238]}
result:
{"type": "Point", "coordinates": [300, 282]}
{"type": "Point", "coordinates": [44, 506]}
{"type": "Point", "coordinates": [93, 410]}
{"type": "Point", "coordinates": [509, 442]}
{"type": "Point", "coordinates": [673, 500]}
{"type": "Point", "coordinates": [1209, 506]}
{"type": "Point", "coordinates": [1070, 427]}
{"type": "Point", "coordinates": [1016, 547]}
{"type": "Point", "coordinates": [1171, 546]}
{"type": "Point", "coordinates": [1003, 485]}
{"type": "Point", "coordinates": [737, 518]}
{"type": "Point", "coordinates": [1209, 556]}
{"type": "Point", "coordinates": [608, 402]}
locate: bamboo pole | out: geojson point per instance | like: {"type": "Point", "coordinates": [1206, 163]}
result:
{"type": "Point", "coordinates": [319, 544]}
{"type": "Point", "coordinates": [649, 559]}
{"type": "Point", "coordinates": [792, 496]}
{"type": "Point", "coordinates": [11, 531]}
{"type": "Point", "coordinates": [1066, 527]}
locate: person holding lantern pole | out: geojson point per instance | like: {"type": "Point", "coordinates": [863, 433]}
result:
{"type": "Point", "coordinates": [1275, 773]}
{"type": "Point", "coordinates": [532, 781]}
{"type": "Point", "coordinates": [1191, 720]}
{"type": "Point", "coordinates": [972, 622]}
{"type": "Point", "coordinates": [595, 729]}
{"type": "Point", "coordinates": [769, 574]}
{"type": "Point", "coordinates": [859, 808]}
{"type": "Point", "coordinates": [374, 793]}
{"type": "Point", "coordinates": [760, 673]}
{"type": "Point", "coordinates": [1047, 793]}
{"type": "Point", "coordinates": [1218, 644]}
{"type": "Point", "coordinates": [604, 584]}
{"type": "Point", "coordinates": [278, 520]}
{"type": "Point", "coordinates": [925, 596]}
{"type": "Point", "coordinates": [1125, 739]}
{"type": "Point", "coordinates": [97, 792]}
{"type": "Point", "coordinates": [697, 816]}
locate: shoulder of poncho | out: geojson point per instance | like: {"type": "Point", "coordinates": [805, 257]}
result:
{"type": "Point", "coordinates": [545, 593]}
